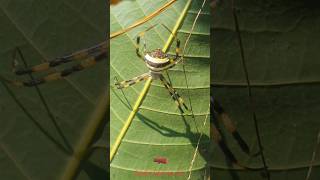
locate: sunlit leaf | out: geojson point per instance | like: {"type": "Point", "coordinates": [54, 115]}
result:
{"type": "Point", "coordinates": [159, 129]}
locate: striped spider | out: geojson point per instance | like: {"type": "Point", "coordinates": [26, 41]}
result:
{"type": "Point", "coordinates": [88, 57]}
{"type": "Point", "coordinates": [157, 62]}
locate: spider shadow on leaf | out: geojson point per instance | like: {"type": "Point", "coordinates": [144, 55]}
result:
{"type": "Point", "coordinates": [189, 134]}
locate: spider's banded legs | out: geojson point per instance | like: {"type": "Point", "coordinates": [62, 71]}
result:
{"type": "Point", "coordinates": [79, 55]}
{"type": "Point", "coordinates": [177, 49]}
{"type": "Point", "coordinates": [141, 34]}
{"type": "Point", "coordinates": [216, 136]}
{"type": "Point", "coordinates": [178, 41]}
{"type": "Point", "coordinates": [174, 97]}
{"type": "Point", "coordinates": [60, 75]}
{"type": "Point", "coordinates": [173, 93]}
{"type": "Point", "coordinates": [223, 117]}
{"type": "Point", "coordinates": [215, 133]}
{"type": "Point", "coordinates": [127, 83]}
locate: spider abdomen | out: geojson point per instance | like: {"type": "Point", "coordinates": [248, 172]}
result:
{"type": "Point", "coordinates": [157, 61]}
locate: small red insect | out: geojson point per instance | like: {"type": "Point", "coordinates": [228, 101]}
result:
{"type": "Point", "coordinates": [160, 160]}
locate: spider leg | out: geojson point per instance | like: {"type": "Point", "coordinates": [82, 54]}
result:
{"type": "Point", "coordinates": [127, 83]}
{"type": "Point", "coordinates": [177, 39]}
{"type": "Point", "coordinates": [90, 61]}
{"type": "Point", "coordinates": [140, 35]}
{"type": "Point", "coordinates": [177, 49]}
{"type": "Point", "coordinates": [223, 117]}
{"type": "Point", "coordinates": [173, 93]}
{"type": "Point", "coordinates": [79, 55]}
{"type": "Point", "coordinates": [215, 134]}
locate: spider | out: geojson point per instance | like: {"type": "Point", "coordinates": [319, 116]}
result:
{"type": "Point", "coordinates": [89, 57]}
{"type": "Point", "coordinates": [219, 115]}
{"type": "Point", "coordinates": [157, 62]}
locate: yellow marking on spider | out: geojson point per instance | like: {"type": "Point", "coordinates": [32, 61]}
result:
{"type": "Point", "coordinates": [90, 56]}
{"type": "Point", "coordinates": [215, 135]}
{"type": "Point", "coordinates": [224, 117]}
{"type": "Point", "coordinates": [88, 62]}
{"type": "Point", "coordinates": [41, 67]}
{"type": "Point", "coordinates": [180, 100]}
{"type": "Point", "coordinates": [52, 77]}
{"type": "Point", "coordinates": [175, 96]}
{"type": "Point", "coordinates": [178, 104]}
{"type": "Point", "coordinates": [80, 55]}
{"type": "Point", "coordinates": [178, 51]}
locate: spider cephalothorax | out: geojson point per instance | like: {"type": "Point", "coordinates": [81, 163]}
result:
{"type": "Point", "coordinates": [157, 53]}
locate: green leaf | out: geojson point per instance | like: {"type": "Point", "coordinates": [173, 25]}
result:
{"type": "Point", "coordinates": [158, 129]}
{"type": "Point", "coordinates": [33, 144]}
{"type": "Point", "coordinates": [281, 43]}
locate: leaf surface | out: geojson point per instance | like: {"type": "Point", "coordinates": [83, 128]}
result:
{"type": "Point", "coordinates": [280, 41]}
{"type": "Point", "coordinates": [158, 129]}
{"type": "Point", "coordinates": [33, 144]}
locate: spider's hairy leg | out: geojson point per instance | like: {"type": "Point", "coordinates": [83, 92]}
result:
{"type": "Point", "coordinates": [79, 55]}
{"type": "Point", "coordinates": [227, 122]}
{"type": "Point", "coordinates": [91, 61]}
{"type": "Point", "coordinates": [127, 83]}
{"type": "Point", "coordinates": [173, 93]}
